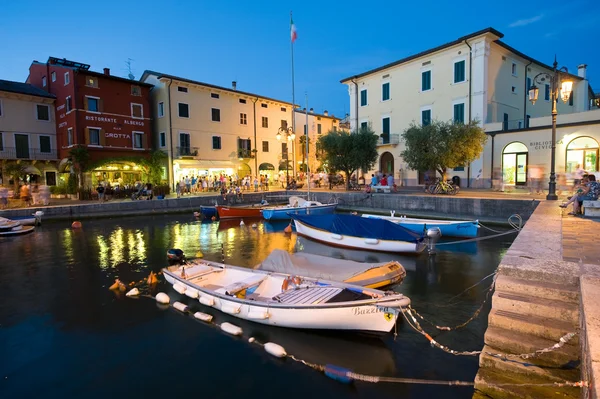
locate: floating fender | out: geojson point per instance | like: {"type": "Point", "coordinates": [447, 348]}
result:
{"type": "Point", "coordinates": [230, 309]}
{"type": "Point", "coordinates": [371, 241]}
{"type": "Point", "coordinates": [275, 350]}
{"type": "Point", "coordinates": [203, 316]}
{"type": "Point", "coordinates": [337, 236]}
{"type": "Point", "coordinates": [182, 307]}
{"type": "Point", "coordinates": [338, 373]}
{"type": "Point", "coordinates": [288, 228]}
{"type": "Point", "coordinates": [197, 214]}
{"type": "Point", "coordinates": [242, 222]}
{"type": "Point", "coordinates": [191, 293]}
{"type": "Point", "coordinates": [133, 292]}
{"type": "Point", "coordinates": [256, 315]}
{"type": "Point", "coordinates": [231, 329]}
{"type": "Point", "coordinates": [163, 298]}
{"type": "Point", "coordinates": [179, 288]}
{"type": "Point", "coordinates": [76, 225]}
{"type": "Point", "coordinates": [254, 225]}
{"type": "Point", "coordinates": [207, 301]}
{"type": "Point", "coordinates": [199, 254]}
{"type": "Point", "coordinates": [38, 213]}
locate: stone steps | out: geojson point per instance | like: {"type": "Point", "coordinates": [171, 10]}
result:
{"type": "Point", "coordinates": [508, 341]}
{"type": "Point", "coordinates": [538, 289]}
{"type": "Point", "coordinates": [491, 382]}
{"type": "Point", "coordinates": [541, 307]}
{"type": "Point", "coordinates": [524, 369]}
{"type": "Point", "coordinates": [532, 325]}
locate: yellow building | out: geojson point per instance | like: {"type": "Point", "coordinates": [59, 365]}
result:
{"type": "Point", "coordinates": [318, 125]}
{"type": "Point", "coordinates": [209, 130]}
{"type": "Point", "coordinates": [28, 132]}
{"type": "Point", "coordinates": [475, 77]}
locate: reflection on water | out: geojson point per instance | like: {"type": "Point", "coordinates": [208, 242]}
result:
{"type": "Point", "coordinates": [60, 323]}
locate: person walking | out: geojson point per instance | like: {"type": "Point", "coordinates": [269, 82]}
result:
{"type": "Point", "coordinates": [100, 190]}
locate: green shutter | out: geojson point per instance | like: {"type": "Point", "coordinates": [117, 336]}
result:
{"type": "Point", "coordinates": [459, 113]}
{"type": "Point", "coordinates": [385, 92]}
{"type": "Point", "coordinates": [459, 71]}
{"type": "Point", "coordinates": [426, 80]}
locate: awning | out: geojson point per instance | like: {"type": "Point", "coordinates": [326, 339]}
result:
{"type": "Point", "coordinates": [282, 165]}
{"type": "Point", "coordinates": [63, 165]}
{"type": "Point", "coordinates": [31, 170]}
{"type": "Point", "coordinates": [266, 166]}
{"type": "Point", "coordinates": [206, 164]}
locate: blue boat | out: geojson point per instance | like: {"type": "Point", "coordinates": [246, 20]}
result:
{"type": "Point", "coordinates": [208, 211]}
{"type": "Point", "coordinates": [352, 231]}
{"type": "Point", "coordinates": [297, 206]}
{"type": "Point", "coordinates": [448, 228]}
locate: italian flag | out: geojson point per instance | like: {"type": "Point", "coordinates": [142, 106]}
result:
{"type": "Point", "coordinates": [293, 33]}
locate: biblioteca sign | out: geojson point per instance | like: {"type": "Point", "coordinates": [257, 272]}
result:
{"type": "Point", "coordinates": [541, 145]}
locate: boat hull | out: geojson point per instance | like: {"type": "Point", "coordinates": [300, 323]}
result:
{"type": "Point", "coordinates": [464, 229]}
{"type": "Point", "coordinates": [227, 212]}
{"type": "Point", "coordinates": [372, 317]}
{"type": "Point", "coordinates": [20, 230]}
{"type": "Point", "coordinates": [283, 213]}
{"type": "Point", "coordinates": [346, 241]}
{"type": "Point", "coordinates": [208, 211]}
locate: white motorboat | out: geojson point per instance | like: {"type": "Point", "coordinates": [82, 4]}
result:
{"type": "Point", "coordinates": [35, 219]}
{"type": "Point", "coordinates": [451, 228]}
{"type": "Point", "coordinates": [371, 275]}
{"type": "Point", "coordinates": [12, 228]}
{"type": "Point", "coordinates": [284, 300]}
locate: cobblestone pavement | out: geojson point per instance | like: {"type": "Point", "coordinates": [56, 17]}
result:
{"type": "Point", "coordinates": [580, 239]}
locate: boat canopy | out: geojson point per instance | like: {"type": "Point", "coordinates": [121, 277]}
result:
{"type": "Point", "coordinates": [356, 226]}
{"type": "Point", "coordinates": [315, 266]}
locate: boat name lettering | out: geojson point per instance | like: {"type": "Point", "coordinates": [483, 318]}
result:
{"type": "Point", "coordinates": [368, 310]}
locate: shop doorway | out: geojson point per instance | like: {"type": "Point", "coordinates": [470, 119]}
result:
{"type": "Point", "coordinates": [582, 151]}
{"type": "Point", "coordinates": [386, 163]}
{"type": "Point", "coordinates": [514, 164]}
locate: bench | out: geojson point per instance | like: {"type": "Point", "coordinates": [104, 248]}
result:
{"type": "Point", "coordinates": [591, 208]}
{"type": "Point", "coordinates": [384, 189]}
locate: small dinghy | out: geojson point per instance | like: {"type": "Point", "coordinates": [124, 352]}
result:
{"type": "Point", "coordinates": [449, 228]}
{"type": "Point", "coordinates": [35, 219]}
{"type": "Point", "coordinates": [297, 206]}
{"type": "Point", "coordinates": [371, 275]}
{"type": "Point", "coordinates": [284, 300]}
{"type": "Point", "coordinates": [13, 228]}
{"type": "Point", "coordinates": [350, 231]}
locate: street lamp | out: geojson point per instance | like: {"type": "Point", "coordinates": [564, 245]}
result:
{"type": "Point", "coordinates": [290, 136]}
{"type": "Point", "coordinates": [559, 82]}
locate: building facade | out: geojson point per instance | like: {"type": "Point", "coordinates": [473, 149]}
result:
{"type": "Point", "coordinates": [318, 125]}
{"type": "Point", "coordinates": [476, 77]}
{"type": "Point", "coordinates": [27, 132]}
{"type": "Point", "coordinates": [109, 115]}
{"type": "Point", "coordinates": [209, 130]}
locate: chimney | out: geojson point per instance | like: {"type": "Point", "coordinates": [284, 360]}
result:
{"type": "Point", "coordinates": [311, 110]}
{"type": "Point", "coordinates": [325, 113]}
{"type": "Point", "coordinates": [581, 71]}
{"type": "Point", "coordinates": [234, 85]}
{"type": "Point", "coordinates": [107, 71]}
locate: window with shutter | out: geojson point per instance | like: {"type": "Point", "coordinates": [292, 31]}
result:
{"type": "Point", "coordinates": [459, 113]}
{"type": "Point", "coordinates": [426, 81]}
{"type": "Point", "coordinates": [385, 92]}
{"type": "Point", "coordinates": [459, 71]}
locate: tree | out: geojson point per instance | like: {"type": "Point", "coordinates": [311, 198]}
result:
{"type": "Point", "coordinates": [16, 171]}
{"type": "Point", "coordinates": [347, 152]}
{"type": "Point", "coordinates": [80, 158]}
{"type": "Point", "coordinates": [155, 165]}
{"type": "Point", "coordinates": [442, 145]}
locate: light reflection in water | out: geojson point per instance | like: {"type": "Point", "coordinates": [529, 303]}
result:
{"type": "Point", "coordinates": [115, 250]}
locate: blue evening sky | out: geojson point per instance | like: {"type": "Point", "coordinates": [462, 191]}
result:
{"type": "Point", "coordinates": [249, 41]}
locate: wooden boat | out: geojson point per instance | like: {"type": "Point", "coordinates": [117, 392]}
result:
{"type": "Point", "coordinates": [283, 300]}
{"type": "Point", "coordinates": [297, 206]}
{"type": "Point", "coordinates": [370, 275]}
{"type": "Point", "coordinates": [13, 228]}
{"type": "Point", "coordinates": [451, 228]}
{"type": "Point", "coordinates": [352, 231]}
{"type": "Point", "coordinates": [229, 212]}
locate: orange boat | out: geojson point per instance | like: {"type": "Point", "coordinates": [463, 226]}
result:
{"type": "Point", "coordinates": [230, 212]}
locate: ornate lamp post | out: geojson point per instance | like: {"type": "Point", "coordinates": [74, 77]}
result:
{"type": "Point", "coordinates": [559, 82]}
{"type": "Point", "coordinates": [289, 136]}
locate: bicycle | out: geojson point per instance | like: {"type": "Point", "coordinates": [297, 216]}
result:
{"type": "Point", "coordinates": [443, 187]}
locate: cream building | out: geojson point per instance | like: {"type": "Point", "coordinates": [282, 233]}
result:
{"type": "Point", "coordinates": [318, 125]}
{"type": "Point", "coordinates": [28, 131]}
{"type": "Point", "coordinates": [209, 130]}
{"type": "Point", "coordinates": [475, 77]}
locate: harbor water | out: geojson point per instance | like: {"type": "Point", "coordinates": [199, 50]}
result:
{"type": "Point", "coordinates": [64, 334]}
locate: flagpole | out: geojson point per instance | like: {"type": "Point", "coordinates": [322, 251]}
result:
{"type": "Point", "coordinates": [306, 149]}
{"type": "Point", "coordinates": [293, 103]}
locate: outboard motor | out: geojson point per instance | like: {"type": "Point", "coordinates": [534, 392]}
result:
{"type": "Point", "coordinates": [175, 257]}
{"type": "Point", "coordinates": [433, 234]}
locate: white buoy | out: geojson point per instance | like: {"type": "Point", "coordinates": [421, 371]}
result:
{"type": "Point", "coordinates": [231, 329]}
{"type": "Point", "coordinates": [251, 339]}
{"type": "Point", "coordinates": [275, 350]}
{"type": "Point", "coordinates": [179, 288]}
{"type": "Point", "coordinates": [242, 222]}
{"type": "Point", "coordinates": [133, 292]}
{"type": "Point", "coordinates": [191, 293]}
{"type": "Point", "coordinates": [207, 301]}
{"type": "Point", "coordinates": [182, 307]}
{"type": "Point", "coordinates": [254, 225]}
{"type": "Point", "coordinates": [163, 298]}
{"type": "Point", "coordinates": [203, 316]}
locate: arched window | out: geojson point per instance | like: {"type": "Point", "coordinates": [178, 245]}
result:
{"type": "Point", "coordinates": [514, 164]}
{"type": "Point", "coordinates": [582, 151]}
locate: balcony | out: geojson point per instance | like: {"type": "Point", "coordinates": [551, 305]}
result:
{"type": "Point", "coordinates": [244, 153]}
{"type": "Point", "coordinates": [391, 139]}
{"type": "Point", "coordinates": [28, 153]}
{"type": "Point", "coordinates": [186, 152]}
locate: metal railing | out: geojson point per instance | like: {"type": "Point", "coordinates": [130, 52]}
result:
{"type": "Point", "coordinates": [27, 153]}
{"type": "Point", "coordinates": [244, 153]}
{"type": "Point", "coordinates": [186, 151]}
{"type": "Point", "coordinates": [391, 139]}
